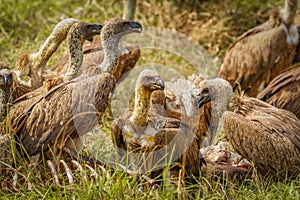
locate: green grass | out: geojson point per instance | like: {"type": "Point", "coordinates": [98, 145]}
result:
{"type": "Point", "coordinates": [214, 24]}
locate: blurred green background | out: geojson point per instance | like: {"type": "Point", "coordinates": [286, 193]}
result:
{"type": "Point", "coordinates": [24, 25]}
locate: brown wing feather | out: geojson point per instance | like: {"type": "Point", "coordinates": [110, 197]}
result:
{"type": "Point", "coordinates": [284, 90]}
{"type": "Point", "coordinates": [73, 107]}
{"type": "Point", "coordinates": [267, 135]}
{"type": "Point", "coordinates": [271, 151]}
{"type": "Point", "coordinates": [257, 57]}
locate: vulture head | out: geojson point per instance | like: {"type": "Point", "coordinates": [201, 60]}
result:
{"type": "Point", "coordinates": [6, 78]}
{"type": "Point", "coordinates": [78, 33]}
{"type": "Point", "coordinates": [112, 32]}
{"type": "Point", "coordinates": [84, 31]}
{"type": "Point", "coordinates": [117, 27]}
{"type": "Point", "coordinates": [147, 82]}
{"type": "Point", "coordinates": [219, 92]}
{"type": "Point", "coordinates": [6, 81]}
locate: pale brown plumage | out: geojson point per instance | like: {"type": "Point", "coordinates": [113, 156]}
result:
{"type": "Point", "coordinates": [31, 65]}
{"type": "Point", "coordinates": [284, 90]}
{"type": "Point", "coordinates": [144, 130]}
{"type": "Point", "coordinates": [257, 56]}
{"type": "Point", "coordinates": [63, 115]}
{"type": "Point", "coordinates": [264, 134]}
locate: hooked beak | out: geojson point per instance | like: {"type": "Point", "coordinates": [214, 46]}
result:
{"type": "Point", "coordinates": [159, 83]}
{"type": "Point", "coordinates": [136, 27]}
{"type": "Point", "coordinates": [97, 28]}
{"type": "Point", "coordinates": [201, 100]}
{"type": "Point", "coordinates": [96, 31]}
{"type": "Point", "coordinates": [156, 84]}
{"type": "Point", "coordinates": [7, 79]}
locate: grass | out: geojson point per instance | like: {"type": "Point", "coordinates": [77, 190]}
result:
{"type": "Point", "coordinates": [213, 24]}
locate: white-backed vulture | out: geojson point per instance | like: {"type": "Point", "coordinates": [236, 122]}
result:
{"type": "Point", "coordinates": [257, 56]}
{"type": "Point", "coordinates": [30, 66]}
{"type": "Point", "coordinates": [78, 33]}
{"type": "Point", "coordinates": [157, 138]}
{"type": "Point", "coordinates": [63, 115]}
{"type": "Point", "coordinates": [284, 90]}
{"type": "Point", "coordinates": [6, 81]}
{"type": "Point", "coordinates": [260, 132]}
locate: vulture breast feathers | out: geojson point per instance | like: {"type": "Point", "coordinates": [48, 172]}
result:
{"type": "Point", "coordinates": [284, 90]}
{"type": "Point", "coordinates": [260, 132]}
{"type": "Point", "coordinates": [261, 53]}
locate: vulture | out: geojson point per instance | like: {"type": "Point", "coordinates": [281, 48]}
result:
{"type": "Point", "coordinates": [78, 33]}
{"type": "Point", "coordinates": [62, 116]}
{"type": "Point", "coordinates": [144, 132]}
{"type": "Point", "coordinates": [31, 65]}
{"type": "Point", "coordinates": [6, 81]}
{"type": "Point", "coordinates": [260, 132]}
{"type": "Point", "coordinates": [284, 90]}
{"type": "Point", "coordinates": [262, 52]}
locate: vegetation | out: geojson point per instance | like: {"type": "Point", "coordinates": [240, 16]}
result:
{"type": "Point", "coordinates": [24, 25]}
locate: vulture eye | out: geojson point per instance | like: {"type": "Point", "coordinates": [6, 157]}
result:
{"type": "Point", "coordinates": [148, 78]}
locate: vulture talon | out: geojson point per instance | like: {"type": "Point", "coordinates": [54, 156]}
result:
{"type": "Point", "coordinates": [68, 171]}
{"type": "Point", "coordinates": [93, 172]}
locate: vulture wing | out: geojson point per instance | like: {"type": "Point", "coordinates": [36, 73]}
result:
{"type": "Point", "coordinates": [257, 56]}
{"type": "Point", "coordinates": [266, 135]}
{"type": "Point", "coordinates": [74, 107]}
{"type": "Point", "coordinates": [284, 90]}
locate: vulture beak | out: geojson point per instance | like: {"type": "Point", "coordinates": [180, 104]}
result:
{"type": "Point", "coordinates": [202, 98]}
{"type": "Point", "coordinates": [159, 83]}
{"type": "Point", "coordinates": [136, 27]}
{"type": "Point", "coordinates": [96, 30]}
{"type": "Point", "coordinates": [202, 160]}
{"type": "Point", "coordinates": [156, 83]}
{"type": "Point", "coordinates": [8, 80]}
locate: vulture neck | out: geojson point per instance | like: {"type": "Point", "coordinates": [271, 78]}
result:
{"type": "Point", "coordinates": [111, 54]}
{"type": "Point", "coordinates": [59, 33]}
{"type": "Point", "coordinates": [141, 107]}
{"type": "Point", "coordinates": [4, 96]}
{"type": "Point", "coordinates": [289, 12]}
{"type": "Point", "coordinates": [75, 56]}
